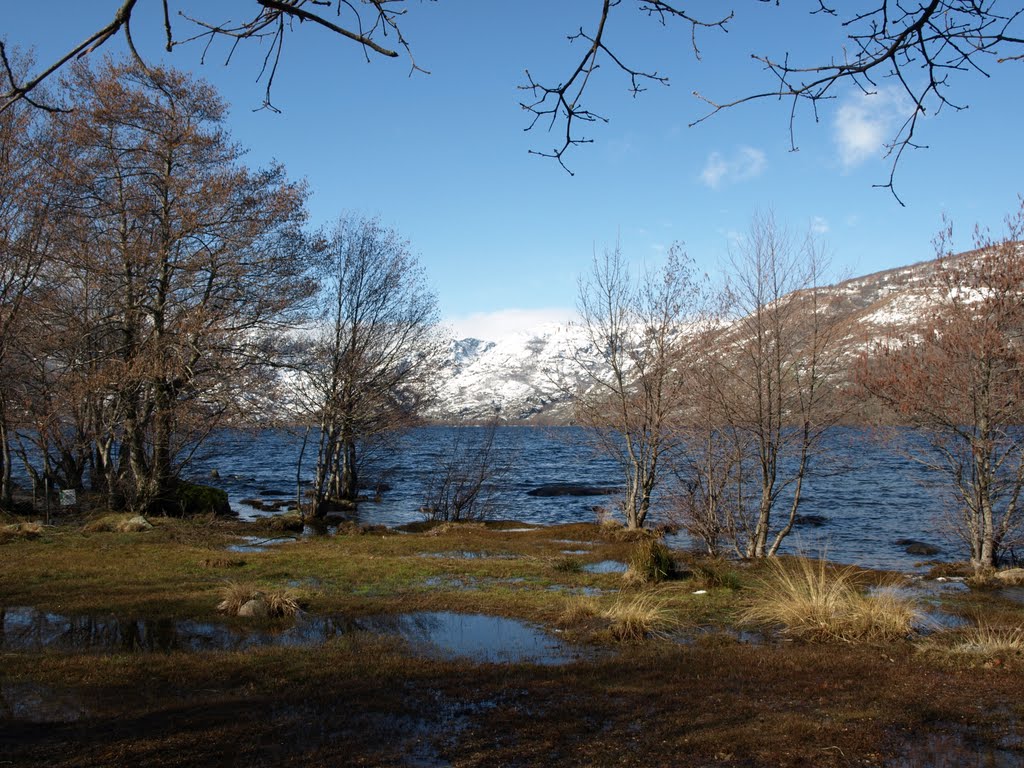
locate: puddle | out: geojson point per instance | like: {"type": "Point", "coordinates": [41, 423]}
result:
{"type": "Point", "coordinates": [449, 582]}
{"type": "Point", "coordinates": [29, 629]}
{"type": "Point", "coordinates": [606, 566]}
{"type": "Point", "coordinates": [477, 637]}
{"type": "Point", "coordinates": [36, 703]}
{"type": "Point", "coordinates": [259, 543]}
{"type": "Point", "coordinates": [927, 597]}
{"type": "Point", "coordinates": [743, 636]}
{"type": "Point", "coordinates": [575, 551]}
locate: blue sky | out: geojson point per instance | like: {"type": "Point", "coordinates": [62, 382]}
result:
{"type": "Point", "coordinates": [503, 235]}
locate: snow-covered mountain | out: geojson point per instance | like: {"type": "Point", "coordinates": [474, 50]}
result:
{"type": "Point", "coordinates": [521, 376]}
{"type": "Point", "coordinates": [531, 375]}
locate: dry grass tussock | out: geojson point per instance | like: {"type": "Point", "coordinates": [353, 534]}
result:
{"type": "Point", "coordinates": [637, 617]}
{"type": "Point", "coordinates": [578, 610]}
{"type": "Point", "coordinates": [650, 562]}
{"type": "Point", "coordinates": [20, 531]}
{"type": "Point", "coordinates": [247, 600]}
{"type": "Point", "coordinates": [814, 602]}
{"type": "Point", "coordinates": [118, 524]}
{"type": "Point", "coordinates": [987, 640]}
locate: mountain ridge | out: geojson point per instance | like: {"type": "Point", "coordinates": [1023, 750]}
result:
{"type": "Point", "coordinates": [530, 375]}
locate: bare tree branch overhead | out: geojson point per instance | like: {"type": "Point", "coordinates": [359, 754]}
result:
{"type": "Point", "coordinates": [917, 45]}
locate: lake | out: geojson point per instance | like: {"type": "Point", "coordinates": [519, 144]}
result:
{"type": "Point", "coordinates": [868, 495]}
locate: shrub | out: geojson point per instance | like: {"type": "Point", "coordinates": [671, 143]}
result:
{"type": "Point", "coordinates": [814, 602]}
{"type": "Point", "coordinates": [193, 499]}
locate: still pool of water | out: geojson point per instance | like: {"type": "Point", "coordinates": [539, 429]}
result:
{"type": "Point", "coordinates": [471, 636]}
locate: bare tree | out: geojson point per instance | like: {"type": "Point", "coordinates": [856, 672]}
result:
{"type": "Point", "coordinates": [631, 399]}
{"type": "Point", "coordinates": [24, 240]}
{"type": "Point", "coordinates": [917, 46]}
{"type": "Point", "coordinates": [176, 266]}
{"type": "Point", "coordinates": [771, 386]}
{"type": "Point", "coordinates": [370, 365]}
{"type": "Point", "coordinates": [958, 380]}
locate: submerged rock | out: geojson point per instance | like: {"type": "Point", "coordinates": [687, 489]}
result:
{"type": "Point", "coordinates": [572, 489]}
{"type": "Point", "coordinates": [914, 547]}
{"type": "Point", "coordinates": [814, 521]}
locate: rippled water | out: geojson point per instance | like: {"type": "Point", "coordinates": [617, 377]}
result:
{"type": "Point", "coordinates": [868, 495]}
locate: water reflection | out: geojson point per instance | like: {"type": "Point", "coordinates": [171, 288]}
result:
{"type": "Point", "coordinates": [476, 637]}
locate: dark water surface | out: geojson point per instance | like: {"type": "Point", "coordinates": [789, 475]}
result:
{"type": "Point", "coordinates": [867, 496]}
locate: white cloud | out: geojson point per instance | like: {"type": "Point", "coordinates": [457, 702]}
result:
{"type": "Point", "coordinates": [819, 225]}
{"type": "Point", "coordinates": [493, 326]}
{"type": "Point", "coordinates": [746, 163]}
{"type": "Point", "coordinates": [865, 122]}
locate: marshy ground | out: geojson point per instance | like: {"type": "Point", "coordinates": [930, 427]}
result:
{"type": "Point", "coordinates": [113, 652]}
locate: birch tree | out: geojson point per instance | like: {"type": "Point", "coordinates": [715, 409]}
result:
{"type": "Point", "coordinates": [631, 400]}
{"type": "Point", "coordinates": [371, 363]}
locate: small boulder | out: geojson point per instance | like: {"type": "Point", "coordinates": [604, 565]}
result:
{"type": "Point", "coordinates": [256, 608]}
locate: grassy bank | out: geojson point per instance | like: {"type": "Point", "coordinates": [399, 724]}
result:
{"type": "Point", "coordinates": [681, 666]}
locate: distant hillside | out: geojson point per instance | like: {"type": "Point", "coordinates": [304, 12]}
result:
{"type": "Point", "coordinates": [528, 375]}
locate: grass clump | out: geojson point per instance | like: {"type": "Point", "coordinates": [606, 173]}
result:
{"type": "Point", "coordinates": [814, 602]}
{"type": "Point", "coordinates": [126, 523]}
{"type": "Point", "coordinates": [568, 565]}
{"type": "Point", "coordinates": [20, 531]}
{"type": "Point", "coordinates": [650, 562]}
{"type": "Point", "coordinates": [985, 640]}
{"type": "Point", "coordinates": [634, 619]}
{"type": "Point", "coordinates": [247, 601]}
{"type": "Point", "coordinates": [579, 610]}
